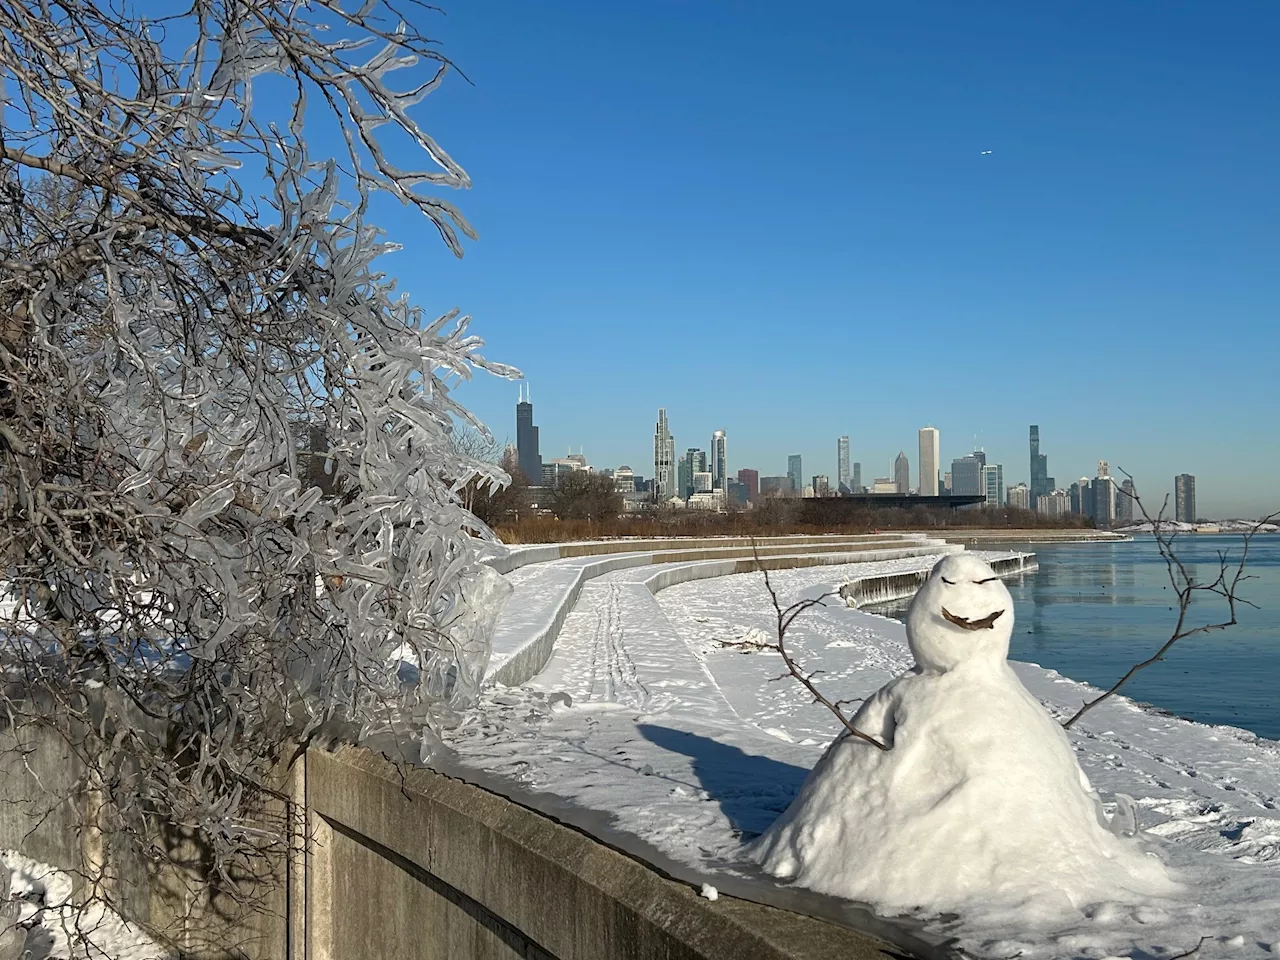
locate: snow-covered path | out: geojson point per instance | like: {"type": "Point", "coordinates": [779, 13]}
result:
{"type": "Point", "coordinates": [646, 729]}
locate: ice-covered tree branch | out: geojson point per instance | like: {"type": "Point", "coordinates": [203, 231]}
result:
{"type": "Point", "coordinates": [229, 486]}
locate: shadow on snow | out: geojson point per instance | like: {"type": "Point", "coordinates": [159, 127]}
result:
{"type": "Point", "coordinates": [752, 790]}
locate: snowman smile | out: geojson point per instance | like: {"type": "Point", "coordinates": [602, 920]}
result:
{"type": "Point", "coordinates": [987, 622]}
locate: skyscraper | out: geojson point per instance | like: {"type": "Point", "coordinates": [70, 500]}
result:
{"type": "Point", "coordinates": [795, 473]}
{"type": "Point", "coordinates": [1184, 498]}
{"type": "Point", "coordinates": [684, 476]}
{"type": "Point", "coordinates": [719, 460]}
{"type": "Point", "coordinates": [693, 461]}
{"type": "Point", "coordinates": [966, 476]}
{"type": "Point", "coordinates": [929, 461]}
{"type": "Point", "coordinates": [902, 473]}
{"type": "Point", "coordinates": [751, 480]}
{"type": "Point", "coordinates": [527, 455]}
{"type": "Point", "coordinates": [664, 455]}
{"type": "Point", "coordinates": [856, 480]}
{"type": "Point", "coordinates": [1104, 496]}
{"type": "Point", "coordinates": [1041, 482]}
{"type": "Point", "coordinates": [842, 466]}
{"type": "Point", "coordinates": [993, 484]}
{"type": "Point", "coordinates": [1124, 503]}
{"type": "Point", "coordinates": [1080, 497]}
{"type": "Point", "coordinates": [1019, 495]}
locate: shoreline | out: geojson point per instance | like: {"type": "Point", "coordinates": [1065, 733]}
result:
{"type": "Point", "coordinates": [1032, 535]}
{"type": "Point", "coordinates": [679, 772]}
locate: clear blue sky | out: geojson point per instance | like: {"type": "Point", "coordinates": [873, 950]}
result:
{"type": "Point", "coordinates": [776, 219]}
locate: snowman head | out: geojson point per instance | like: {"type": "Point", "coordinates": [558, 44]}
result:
{"type": "Point", "coordinates": [962, 613]}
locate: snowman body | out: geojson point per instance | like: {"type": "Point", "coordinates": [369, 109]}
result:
{"type": "Point", "coordinates": [978, 804]}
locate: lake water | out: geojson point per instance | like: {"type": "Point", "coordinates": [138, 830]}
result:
{"type": "Point", "coordinates": [1094, 609]}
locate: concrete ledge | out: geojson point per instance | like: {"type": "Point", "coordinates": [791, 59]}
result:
{"type": "Point", "coordinates": [519, 555]}
{"type": "Point", "coordinates": [899, 586]}
{"type": "Point", "coordinates": [427, 866]}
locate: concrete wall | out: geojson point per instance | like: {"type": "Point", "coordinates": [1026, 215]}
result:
{"type": "Point", "coordinates": [430, 867]}
{"type": "Point", "coordinates": [407, 863]}
{"type": "Point", "coordinates": [518, 556]}
{"type": "Point", "coordinates": [884, 588]}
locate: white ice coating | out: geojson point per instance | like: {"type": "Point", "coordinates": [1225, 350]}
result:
{"type": "Point", "coordinates": [979, 805]}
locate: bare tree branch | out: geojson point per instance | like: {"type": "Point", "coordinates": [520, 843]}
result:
{"type": "Point", "coordinates": [1194, 951]}
{"type": "Point", "coordinates": [1225, 585]}
{"type": "Point", "coordinates": [785, 617]}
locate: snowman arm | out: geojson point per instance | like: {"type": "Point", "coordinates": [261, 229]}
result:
{"type": "Point", "coordinates": [875, 716]}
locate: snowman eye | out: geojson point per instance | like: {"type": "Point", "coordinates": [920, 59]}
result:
{"type": "Point", "coordinates": [950, 583]}
{"type": "Point", "coordinates": [988, 580]}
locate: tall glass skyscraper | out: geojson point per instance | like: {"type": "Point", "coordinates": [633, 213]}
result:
{"type": "Point", "coordinates": [1124, 502]}
{"type": "Point", "coordinates": [795, 474]}
{"type": "Point", "coordinates": [843, 478]}
{"type": "Point", "coordinates": [1041, 482]}
{"type": "Point", "coordinates": [693, 461]}
{"type": "Point", "coordinates": [719, 460]}
{"type": "Point", "coordinates": [527, 453]}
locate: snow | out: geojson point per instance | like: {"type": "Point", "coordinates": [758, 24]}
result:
{"type": "Point", "coordinates": [978, 805]}
{"type": "Point", "coordinates": [1209, 526]}
{"type": "Point", "coordinates": [55, 928]}
{"type": "Point", "coordinates": [646, 730]}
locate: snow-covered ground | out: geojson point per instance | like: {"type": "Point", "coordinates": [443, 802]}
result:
{"type": "Point", "coordinates": [55, 929]}
{"type": "Point", "coordinates": [1209, 526]}
{"type": "Point", "coordinates": [646, 729]}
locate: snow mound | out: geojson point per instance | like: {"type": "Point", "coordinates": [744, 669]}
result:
{"type": "Point", "coordinates": [978, 805]}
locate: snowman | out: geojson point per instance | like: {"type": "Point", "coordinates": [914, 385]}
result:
{"type": "Point", "coordinates": [978, 805]}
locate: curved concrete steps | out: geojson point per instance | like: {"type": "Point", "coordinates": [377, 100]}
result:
{"type": "Point", "coordinates": [548, 579]}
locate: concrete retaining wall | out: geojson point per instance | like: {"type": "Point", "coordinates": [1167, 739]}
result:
{"type": "Point", "coordinates": [425, 866]}
{"type": "Point", "coordinates": [43, 815]}
{"type": "Point", "coordinates": [407, 863]}
{"type": "Point", "coordinates": [899, 586]}
{"type": "Point", "coordinates": [518, 556]}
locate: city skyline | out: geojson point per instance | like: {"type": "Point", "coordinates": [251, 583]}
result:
{"type": "Point", "coordinates": [1099, 204]}
{"type": "Point", "coordinates": [1015, 464]}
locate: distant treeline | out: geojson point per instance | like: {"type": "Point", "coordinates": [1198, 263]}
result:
{"type": "Point", "coordinates": [773, 517]}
